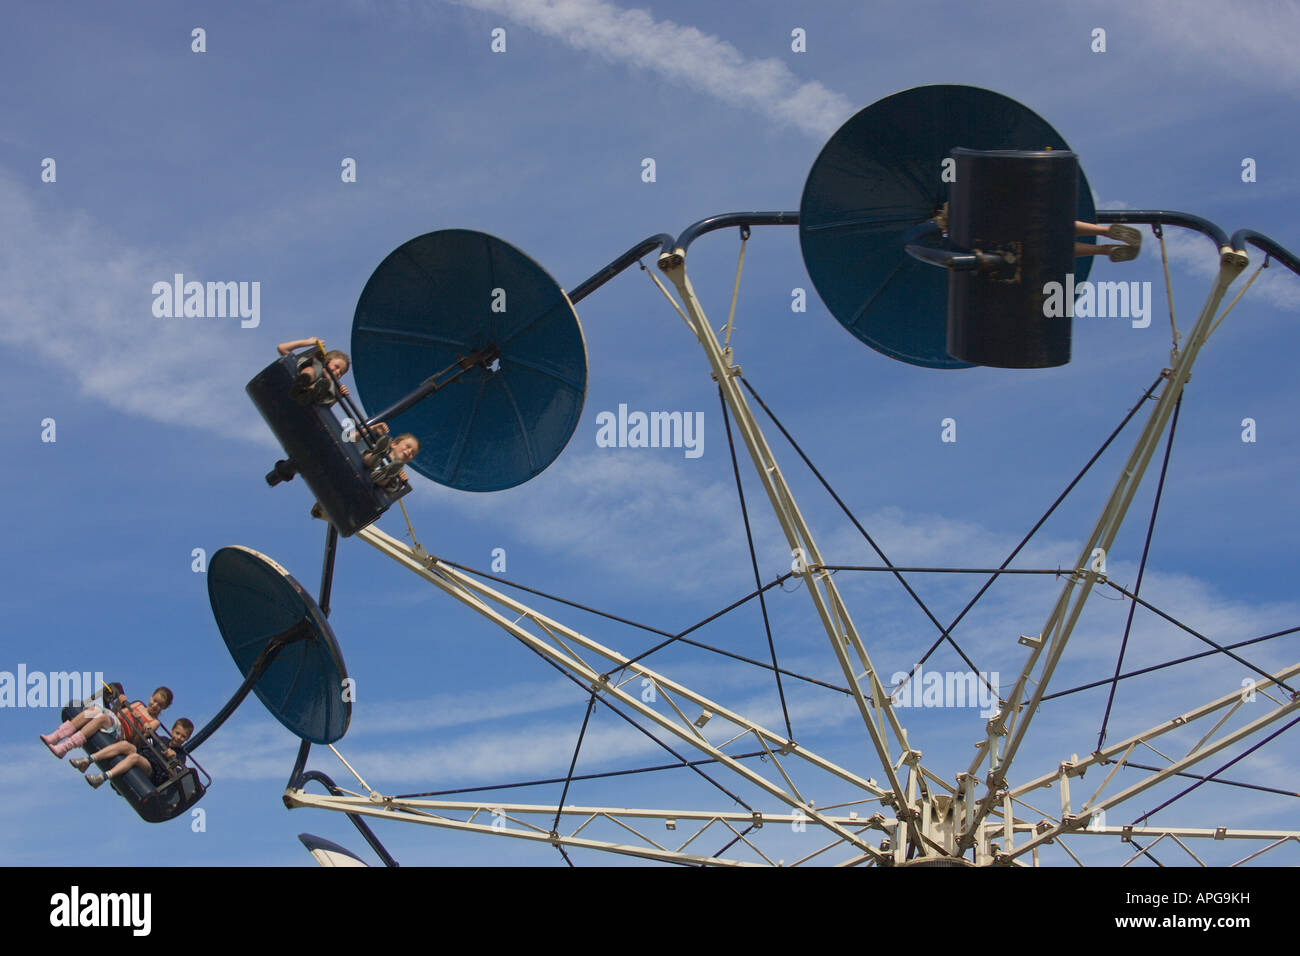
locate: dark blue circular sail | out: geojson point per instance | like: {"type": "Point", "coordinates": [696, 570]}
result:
{"type": "Point", "coordinates": [442, 297]}
{"type": "Point", "coordinates": [254, 600]}
{"type": "Point", "coordinates": [880, 175]}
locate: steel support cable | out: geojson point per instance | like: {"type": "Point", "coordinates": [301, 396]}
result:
{"type": "Point", "coordinates": [1041, 521]}
{"type": "Point", "coordinates": [1169, 288]}
{"type": "Point", "coordinates": [753, 556]}
{"type": "Point", "coordinates": [671, 301]}
{"type": "Point", "coordinates": [735, 292]}
{"type": "Point", "coordinates": [863, 531]}
{"type": "Point", "coordinates": [781, 579]}
{"type": "Point", "coordinates": [559, 807]}
{"type": "Point", "coordinates": [410, 529]}
{"type": "Point", "coordinates": [551, 597]}
{"type": "Point", "coordinates": [730, 843]}
{"type": "Point", "coordinates": [673, 638]}
{"type": "Point", "coordinates": [1147, 853]}
{"type": "Point", "coordinates": [1214, 773]}
{"type": "Point", "coordinates": [420, 552]}
{"type": "Point", "coordinates": [1156, 667]}
{"type": "Point", "coordinates": [1201, 637]}
{"type": "Point", "coordinates": [680, 636]}
{"type": "Point", "coordinates": [1230, 783]}
{"type": "Point", "coordinates": [860, 567]}
{"type": "Point", "coordinates": [1142, 566]}
{"type": "Point", "coordinates": [684, 761]}
{"type": "Point", "coordinates": [741, 657]}
{"type": "Point", "coordinates": [779, 670]}
{"type": "Point", "coordinates": [643, 730]}
{"type": "Point", "coordinates": [581, 776]}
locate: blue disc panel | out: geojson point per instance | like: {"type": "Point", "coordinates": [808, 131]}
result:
{"type": "Point", "coordinates": [441, 297]}
{"type": "Point", "coordinates": [880, 175]}
{"type": "Point", "coordinates": [254, 600]}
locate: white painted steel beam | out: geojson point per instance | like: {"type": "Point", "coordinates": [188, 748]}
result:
{"type": "Point", "coordinates": [472, 593]}
{"type": "Point", "coordinates": [1015, 715]}
{"type": "Point", "coordinates": [873, 702]}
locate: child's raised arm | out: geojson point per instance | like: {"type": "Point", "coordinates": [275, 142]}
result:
{"type": "Point", "coordinates": [284, 348]}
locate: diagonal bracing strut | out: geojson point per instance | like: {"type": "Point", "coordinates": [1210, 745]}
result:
{"type": "Point", "coordinates": [566, 648]}
{"type": "Point", "coordinates": [873, 701]}
{"type": "Point", "coordinates": [1015, 715]}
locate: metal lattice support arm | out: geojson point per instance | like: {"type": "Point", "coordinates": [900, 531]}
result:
{"type": "Point", "coordinates": [1073, 822]}
{"type": "Point", "coordinates": [554, 648]}
{"type": "Point", "coordinates": [1091, 815]}
{"type": "Point", "coordinates": [415, 811]}
{"type": "Point", "coordinates": [873, 702]}
{"type": "Point", "coordinates": [1107, 755]}
{"type": "Point", "coordinates": [1015, 716]}
{"type": "Point", "coordinates": [1203, 748]}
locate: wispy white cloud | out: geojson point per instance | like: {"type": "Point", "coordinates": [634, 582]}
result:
{"type": "Point", "coordinates": [647, 519]}
{"type": "Point", "coordinates": [681, 54]}
{"type": "Point", "coordinates": [1256, 46]}
{"type": "Point", "coordinates": [75, 297]}
{"type": "Point", "coordinates": [1194, 253]}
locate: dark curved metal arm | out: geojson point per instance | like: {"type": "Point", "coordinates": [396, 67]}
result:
{"type": "Point", "coordinates": [356, 819]}
{"type": "Point", "coordinates": [1259, 241]}
{"type": "Point", "coordinates": [662, 240]}
{"type": "Point", "coordinates": [695, 230]}
{"type": "Point", "coordinates": [943, 253]}
{"type": "Point", "coordinates": [1168, 218]}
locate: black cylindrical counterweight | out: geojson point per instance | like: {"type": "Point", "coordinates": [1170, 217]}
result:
{"type": "Point", "coordinates": [1021, 205]}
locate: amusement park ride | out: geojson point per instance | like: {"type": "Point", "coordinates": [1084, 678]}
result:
{"type": "Point", "coordinates": [930, 224]}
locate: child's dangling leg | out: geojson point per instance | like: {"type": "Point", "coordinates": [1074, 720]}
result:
{"type": "Point", "coordinates": [61, 749]}
{"type": "Point", "coordinates": [65, 728]}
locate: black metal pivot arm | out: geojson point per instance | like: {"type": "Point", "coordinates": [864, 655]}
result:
{"type": "Point", "coordinates": [1166, 217]}
{"type": "Point", "coordinates": [353, 410]}
{"type": "Point", "coordinates": [663, 241]}
{"type": "Point", "coordinates": [926, 242]}
{"type": "Point", "coordinates": [483, 357]}
{"type": "Point", "coordinates": [727, 219]}
{"type": "Point", "coordinates": [327, 569]}
{"type": "Point", "coordinates": [274, 646]}
{"type": "Point", "coordinates": [1278, 252]}
{"type": "Point", "coordinates": [667, 244]}
{"type": "Point", "coordinates": [301, 780]}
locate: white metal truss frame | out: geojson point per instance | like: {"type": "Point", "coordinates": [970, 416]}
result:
{"type": "Point", "coordinates": [873, 702]}
{"type": "Point", "coordinates": [940, 819]}
{"type": "Point", "coordinates": [564, 646]}
{"type": "Point", "coordinates": [945, 817]}
{"type": "Point", "coordinates": [510, 820]}
{"type": "Point", "coordinates": [950, 823]}
{"type": "Point", "coordinates": [1118, 755]}
{"type": "Point", "coordinates": [1046, 648]}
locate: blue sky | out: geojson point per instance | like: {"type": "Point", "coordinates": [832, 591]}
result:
{"type": "Point", "coordinates": [225, 166]}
